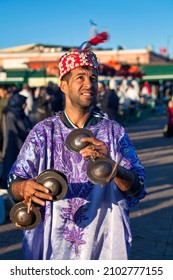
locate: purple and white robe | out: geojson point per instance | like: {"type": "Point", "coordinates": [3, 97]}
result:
{"type": "Point", "coordinates": [91, 222]}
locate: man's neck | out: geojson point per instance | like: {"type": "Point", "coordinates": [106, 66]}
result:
{"type": "Point", "coordinates": [77, 118]}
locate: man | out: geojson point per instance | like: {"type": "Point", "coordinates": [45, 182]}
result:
{"type": "Point", "coordinates": [17, 127]}
{"type": "Point", "coordinates": [108, 101]}
{"type": "Point", "coordinates": [29, 99]}
{"type": "Point", "coordinates": [91, 222]}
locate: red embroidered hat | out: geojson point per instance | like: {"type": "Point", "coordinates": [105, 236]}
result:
{"type": "Point", "coordinates": [75, 59]}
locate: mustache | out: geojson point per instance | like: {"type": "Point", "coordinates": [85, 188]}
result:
{"type": "Point", "coordinates": [88, 90]}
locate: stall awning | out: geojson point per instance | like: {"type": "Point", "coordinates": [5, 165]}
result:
{"type": "Point", "coordinates": [157, 72]}
{"type": "Point", "coordinates": [32, 77]}
{"type": "Point", "coordinates": [13, 76]}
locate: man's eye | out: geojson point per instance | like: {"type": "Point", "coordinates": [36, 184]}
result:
{"type": "Point", "coordinates": [94, 79]}
{"type": "Point", "coordinates": [80, 77]}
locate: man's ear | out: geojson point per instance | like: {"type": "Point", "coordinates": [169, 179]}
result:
{"type": "Point", "coordinates": [63, 86]}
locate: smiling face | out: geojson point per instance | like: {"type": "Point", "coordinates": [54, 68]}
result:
{"type": "Point", "coordinates": [81, 88]}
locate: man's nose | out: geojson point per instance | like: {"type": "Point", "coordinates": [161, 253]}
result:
{"type": "Point", "coordinates": [88, 82]}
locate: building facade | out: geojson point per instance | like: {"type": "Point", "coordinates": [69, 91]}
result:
{"type": "Point", "coordinates": [36, 64]}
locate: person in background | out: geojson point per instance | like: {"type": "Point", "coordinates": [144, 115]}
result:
{"type": "Point", "coordinates": [4, 97]}
{"type": "Point", "coordinates": [122, 99]}
{"type": "Point", "coordinates": [29, 99]}
{"type": "Point", "coordinates": [145, 91]}
{"type": "Point", "coordinates": [92, 221]}
{"type": "Point", "coordinates": [131, 93]}
{"type": "Point", "coordinates": [17, 127]}
{"type": "Point", "coordinates": [108, 101]}
{"type": "Point", "coordinates": [170, 118]}
{"type": "Point", "coordinates": [57, 98]}
{"type": "Point", "coordinates": [42, 105]}
{"type": "Point", "coordinates": [132, 101]}
{"type": "Point", "coordinates": [135, 84]}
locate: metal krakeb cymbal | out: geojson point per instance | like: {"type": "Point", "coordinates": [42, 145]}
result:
{"type": "Point", "coordinates": [55, 181]}
{"type": "Point", "coordinates": [73, 140]}
{"type": "Point", "coordinates": [99, 170]}
{"type": "Point", "coordinates": [22, 219]}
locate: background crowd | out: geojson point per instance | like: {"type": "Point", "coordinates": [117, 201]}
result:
{"type": "Point", "coordinates": [123, 100]}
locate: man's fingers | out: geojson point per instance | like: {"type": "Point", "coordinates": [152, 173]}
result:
{"type": "Point", "coordinates": [37, 192]}
{"type": "Point", "coordinates": [96, 148]}
{"type": "Point", "coordinates": [42, 196]}
{"type": "Point", "coordinates": [39, 201]}
{"type": "Point", "coordinates": [92, 140]}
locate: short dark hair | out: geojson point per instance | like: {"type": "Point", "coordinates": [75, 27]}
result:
{"type": "Point", "coordinates": [66, 77]}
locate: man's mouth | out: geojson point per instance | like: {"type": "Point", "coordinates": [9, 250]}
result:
{"type": "Point", "coordinates": [87, 94]}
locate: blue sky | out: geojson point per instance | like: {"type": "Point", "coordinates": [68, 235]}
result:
{"type": "Point", "coordinates": [133, 24]}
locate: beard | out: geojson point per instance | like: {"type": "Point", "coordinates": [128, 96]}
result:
{"type": "Point", "coordinates": [81, 101]}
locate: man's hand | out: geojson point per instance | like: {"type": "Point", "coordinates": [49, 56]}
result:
{"type": "Point", "coordinates": [24, 190]}
{"type": "Point", "coordinates": [124, 178]}
{"type": "Point", "coordinates": [96, 149]}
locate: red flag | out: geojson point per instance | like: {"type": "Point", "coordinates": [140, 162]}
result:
{"type": "Point", "coordinates": [163, 50]}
